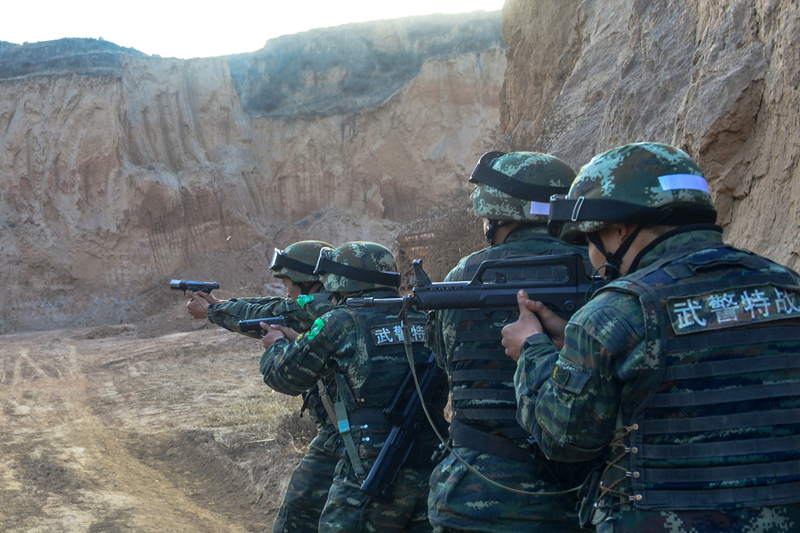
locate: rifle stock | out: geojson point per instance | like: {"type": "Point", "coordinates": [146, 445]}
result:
{"type": "Point", "coordinates": [406, 427]}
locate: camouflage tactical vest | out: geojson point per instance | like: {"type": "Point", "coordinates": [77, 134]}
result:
{"type": "Point", "coordinates": [481, 374]}
{"type": "Point", "coordinates": [714, 422]}
{"type": "Point", "coordinates": [370, 382]}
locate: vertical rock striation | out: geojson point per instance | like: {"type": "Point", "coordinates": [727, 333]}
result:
{"type": "Point", "coordinates": [718, 78]}
{"type": "Point", "coordinates": [119, 170]}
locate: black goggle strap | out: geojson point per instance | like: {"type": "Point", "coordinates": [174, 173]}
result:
{"type": "Point", "coordinates": [486, 175]}
{"type": "Point", "coordinates": [607, 210]}
{"type": "Point", "coordinates": [280, 259]}
{"type": "Point", "coordinates": [325, 265]}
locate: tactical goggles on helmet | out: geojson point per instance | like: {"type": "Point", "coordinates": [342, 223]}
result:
{"type": "Point", "coordinates": [326, 265]}
{"type": "Point", "coordinates": [281, 260]}
{"type": "Point", "coordinates": [564, 210]}
{"type": "Point", "coordinates": [484, 174]}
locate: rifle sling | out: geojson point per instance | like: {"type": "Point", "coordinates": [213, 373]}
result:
{"type": "Point", "coordinates": [326, 401]}
{"type": "Point", "coordinates": [347, 438]}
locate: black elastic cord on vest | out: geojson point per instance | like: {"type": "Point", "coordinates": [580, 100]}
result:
{"type": "Point", "coordinates": [486, 175]}
{"type": "Point", "coordinates": [326, 265]}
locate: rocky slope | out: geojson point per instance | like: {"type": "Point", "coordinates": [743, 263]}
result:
{"type": "Point", "coordinates": [119, 170]}
{"type": "Point", "coordinates": [719, 78]}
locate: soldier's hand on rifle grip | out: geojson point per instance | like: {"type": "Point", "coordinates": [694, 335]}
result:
{"type": "Point", "coordinates": [534, 317]}
{"type": "Point", "coordinates": [553, 324]}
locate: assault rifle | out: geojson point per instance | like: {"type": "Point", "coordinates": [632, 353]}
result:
{"type": "Point", "coordinates": [194, 286]}
{"type": "Point", "coordinates": [254, 324]}
{"type": "Point", "coordinates": [407, 418]}
{"type": "Point", "coordinates": [559, 281]}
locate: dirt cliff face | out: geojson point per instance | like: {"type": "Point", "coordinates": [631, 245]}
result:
{"type": "Point", "coordinates": [119, 171]}
{"type": "Point", "coordinates": [718, 78]}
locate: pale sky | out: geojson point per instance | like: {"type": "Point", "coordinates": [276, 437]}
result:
{"type": "Point", "coordinates": [202, 28]}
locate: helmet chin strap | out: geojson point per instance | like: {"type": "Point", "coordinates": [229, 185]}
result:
{"type": "Point", "coordinates": [613, 260]}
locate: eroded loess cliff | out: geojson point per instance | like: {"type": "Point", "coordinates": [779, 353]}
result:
{"type": "Point", "coordinates": [718, 78]}
{"type": "Point", "coordinates": [119, 171]}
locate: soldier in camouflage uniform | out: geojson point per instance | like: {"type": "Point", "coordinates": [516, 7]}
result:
{"type": "Point", "coordinates": [512, 194]}
{"type": "Point", "coordinates": [362, 350]}
{"type": "Point", "coordinates": [683, 374]}
{"type": "Point", "coordinates": [308, 487]}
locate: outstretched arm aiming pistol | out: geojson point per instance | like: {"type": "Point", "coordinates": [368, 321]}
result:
{"type": "Point", "coordinates": [559, 281]}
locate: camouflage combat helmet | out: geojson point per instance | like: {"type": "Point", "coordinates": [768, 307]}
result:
{"type": "Point", "coordinates": [647, 184]}
{"type": "Point", "coordinates": [517, 186]}
{"type": "Point", "coordinates": [644, 183]}
{"type": "Point", "coordinates": [357, 266]}
{"type": "Point", "coordinates": [297, 261]}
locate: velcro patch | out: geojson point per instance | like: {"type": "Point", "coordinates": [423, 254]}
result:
{"type": "Point", "coordinates": [570, 379]}
{"type": "Point", "coordinates": [733, 308]}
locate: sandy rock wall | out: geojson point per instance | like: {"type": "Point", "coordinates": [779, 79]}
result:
{"type": "Point", "coordinates": [718, 78]}
{"type": "Point", "coordinates": [115, 179]}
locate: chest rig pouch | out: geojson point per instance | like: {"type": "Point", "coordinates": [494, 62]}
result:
{"type": "Point", "coordinates": [715, 420]}
{"type": "Point", "coordinates": [372, 378]}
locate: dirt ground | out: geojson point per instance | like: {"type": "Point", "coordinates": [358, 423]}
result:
{"type": "Point", "coordinates": [133, 429]}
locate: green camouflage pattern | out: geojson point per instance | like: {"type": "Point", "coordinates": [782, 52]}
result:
{"type": "Point", "coordinates": [306, 252]}
{"type": "Point", "coordinates": [338, 341]}
{"type": "Point", "coordinates": [574, 400]}
{"type": "Point", "coordinates": [307, 491]}
{"type": "Point", "coordinates": [631, 174]}
{"type": "Point", "coordinates": [528, 167]}
{"type": "Point", "coordinates": [459, 499]}
{"type": "Point", "coordinates": [350, 511]}
{"type": "Point", "coordinates": [780, 519]}
{"type": "Point", "coordinates": [359, 254]}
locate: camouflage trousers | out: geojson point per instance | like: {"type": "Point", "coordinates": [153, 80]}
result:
{"type": "Point", "coordinates": [778, 519]}
{"type": "Point", "coordinates": [349, 510]}
{"type": "Point", "coordinates": [307, 490]}
{"type": "Point", "coordinates": [461, 501]}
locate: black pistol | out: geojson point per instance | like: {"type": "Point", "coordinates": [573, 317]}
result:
{"type": "Point", "coordinates": [254, 324]}
{"type": "Point", "coordinates": [194, 286]}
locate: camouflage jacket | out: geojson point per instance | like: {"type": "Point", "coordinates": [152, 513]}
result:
{"type": "Point", "coordinates": [337, 343]}
{"type": "Point", "coordinates": [443, 337]}
{"type": "Point", "coordinates": [578, 403]}
{"type": "Point", "coordinates": [300, 314]}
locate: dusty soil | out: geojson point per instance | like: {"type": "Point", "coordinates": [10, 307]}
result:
{"type": "Point", "coordinates": [131, 429]}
